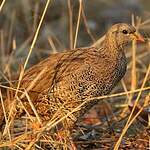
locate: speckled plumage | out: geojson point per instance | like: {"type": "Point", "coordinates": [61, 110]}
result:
{"type": "Point", "coordinates": [74, 76]}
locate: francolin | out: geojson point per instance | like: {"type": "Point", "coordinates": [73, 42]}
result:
{"type": "Point", "coordinates": [74, 76]}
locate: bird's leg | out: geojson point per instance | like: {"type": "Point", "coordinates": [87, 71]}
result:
{"type": "Point", "coordinates": [64, 135]}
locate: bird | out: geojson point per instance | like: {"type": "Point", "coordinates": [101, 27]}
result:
{"type": "Point", "coordinates": [63, 81]}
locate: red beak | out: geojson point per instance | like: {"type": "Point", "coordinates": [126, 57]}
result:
{"type": "Point", "coordinates": [138, 37]}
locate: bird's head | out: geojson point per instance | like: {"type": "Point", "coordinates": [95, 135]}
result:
{"type": "Point", "coordinates": [120, 34]}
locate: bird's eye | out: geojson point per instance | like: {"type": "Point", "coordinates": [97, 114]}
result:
{"type": "Point", "coordinates": [125, 31]}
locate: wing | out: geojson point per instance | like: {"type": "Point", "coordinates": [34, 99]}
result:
{"type": "Point", "coordinates": [52, 70]}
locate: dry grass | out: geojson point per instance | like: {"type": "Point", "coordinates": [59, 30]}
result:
{"type": "Point", "coordinates": [30, 132]}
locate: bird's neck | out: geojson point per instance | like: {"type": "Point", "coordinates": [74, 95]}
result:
{"type": "Point", "coordinates": [112, 49]}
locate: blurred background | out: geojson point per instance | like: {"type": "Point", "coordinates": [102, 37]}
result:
{"type": "Point", "coordinates": [19, 20]}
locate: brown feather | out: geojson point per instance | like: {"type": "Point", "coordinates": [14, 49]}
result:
{"type": "Point", "coordinates": [74, 76]}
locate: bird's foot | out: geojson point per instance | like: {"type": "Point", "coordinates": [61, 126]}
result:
{"type": "Point", "coordinates": [64, 136]}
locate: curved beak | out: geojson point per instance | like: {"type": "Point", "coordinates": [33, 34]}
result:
{"type": "Point", "coordinates": [137, 37]}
